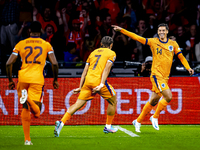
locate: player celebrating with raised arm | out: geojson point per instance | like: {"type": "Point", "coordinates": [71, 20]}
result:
{"type": "Point", "coordinates": [33, 52]}
{"type": "Point", "coordinates": [93, 80]}
{"type": "Point", "coordinates": [163, 50]}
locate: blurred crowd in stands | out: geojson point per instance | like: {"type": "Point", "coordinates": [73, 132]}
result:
{"type": "Point", "coordinates": [75, 27]}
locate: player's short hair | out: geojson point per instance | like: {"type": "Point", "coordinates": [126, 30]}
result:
{"type": "Point", "coordinates": [35, 26]}
{"type": "Point", "coordinates": [106, 41]}
{"type": "Point", "coordinates": [163, 25]}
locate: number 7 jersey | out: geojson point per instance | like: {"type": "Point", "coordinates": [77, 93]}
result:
{"type": "Point", "coordinates": [33, 52]}
{"type": "Point", "coordinates": [97, 62]}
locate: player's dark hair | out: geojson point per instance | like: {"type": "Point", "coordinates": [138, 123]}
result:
{"type": "Point", "coordinates": [106, 41]}
{"type": "Point", "coordinates": [35, 26]}
{"type": "Point", "coordinates": [163, 25]}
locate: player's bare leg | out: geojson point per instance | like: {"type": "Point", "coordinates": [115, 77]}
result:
{"type": "Point", "coordinates": [145, 111]}
{"type": "Point", "coordinates": [110, 115]}
{"type": "Point", "coordinates": [72, 109]}
{"type": "Point", "coordinates": [167, 96]}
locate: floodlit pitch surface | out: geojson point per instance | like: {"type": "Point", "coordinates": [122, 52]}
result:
{"type": "Point", "coordinates": [169, 137]}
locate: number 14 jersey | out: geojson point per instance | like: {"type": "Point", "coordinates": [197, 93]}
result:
{"type": "Point", "coordinates": [163, 53]}
{"type": "Point", "coordinates": [33, 52]}
{"type": "Point", "coordinates": [97, 61]}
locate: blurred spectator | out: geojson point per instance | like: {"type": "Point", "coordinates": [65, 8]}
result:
{"type": "Point", "coordinates": [70, 54]}
{"type": "Point", "coordinates": [197, 51]}
{"type": "Point", "coordinates": [145, 69]}
{"type": "Point", "coordinates": [75, 35]}
{"type": "Point", "coordinates": [180, 38]}
{"type": "Point", "coordinates": [45, 19]}
{"type": "Point", "coordinates": [57, 39]}
{"type": "Point", "coordinates": [127, 11]}
{"type": "Point", "coordinates": [120, 43]}
{"type": "Point", "coordinates": [9, 29]}
{"type": "Point", "coordinates": [191, 41]}
{"type": "Point", "coordinates": [105, 28]}
{"type": "Point", "coordinates": [113, 8]}
{"type": "Point", "coordinates": [140, 31]}
{"type": "Point", "coordinates": [198, 15]}
{"type": "Point", "coordinates": [151, 27]}
{"type": "Point", "coordinates": [26, 10]}
{"type": "Point", "coordinates": [24, 32]}
{"type": "Point", "coordinates": [156, 10]}
{"type": "Point", "coordinates": [9, 20]}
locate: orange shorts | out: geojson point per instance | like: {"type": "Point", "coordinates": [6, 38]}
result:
{"type": "Point", "coordinates": [159, 84]}
{"type": "Point", "coordinates": [35, 91]}
{"type": "Point", "coordinates": [107, 91]}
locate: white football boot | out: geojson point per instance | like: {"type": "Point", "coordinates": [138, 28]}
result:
{"type": "Point", "coordinates": [28, 143]}
{"type": "Point", "coordinates": [137, 125]}
{"type": "Point", "coordinates": [154, 122]}
{"type": "Point", "coordinates": [24, 96]}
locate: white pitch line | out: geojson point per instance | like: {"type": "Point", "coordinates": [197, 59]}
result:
{"type": "Point", "coordinates": [127, 131]}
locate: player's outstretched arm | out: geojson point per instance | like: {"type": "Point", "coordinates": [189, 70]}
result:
{"type": "Point", "coordinates": [185, 63]}
{"type": "Point", "coordinates": [54, 63]}
{"type": "Point", "coordinates": [9, 64]}
{"type": "Point", "coordinates": [130, 34]}
{"type": "Point", "coordinates": [105, 74]}
{"type": "Point", "coordinates": [77, 90]}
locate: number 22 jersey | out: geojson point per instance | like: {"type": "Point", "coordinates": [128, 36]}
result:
{"type": "Point", "coordinates": [33, 52]}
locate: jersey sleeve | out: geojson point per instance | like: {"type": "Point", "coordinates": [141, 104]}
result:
{"type": "Point", "coordinates": [178, 52]}
{"type": "Point", "coordinates": [112, 57]}
{"type": "Point", "coordinates": [49, 48]}
{"type": "Point", "coordinates": [88, 60]}
{"type": "Point", "coordinates": [135, 36]}
{"type": "Point", "coordinates": [16, 49]}
{"type": "Point", "coordinates": [177, 49]}
{"type": "Point", "coordinates": [150, 41]}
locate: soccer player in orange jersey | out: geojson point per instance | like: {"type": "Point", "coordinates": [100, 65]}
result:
{"type": "Point", "coordinates": [93, 80]}
{"type": "Point", "coordinates": [33, 52]}
{"type": "Point", "coordinates": [163, 50]}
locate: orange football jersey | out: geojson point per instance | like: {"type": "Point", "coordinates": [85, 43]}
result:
{"type": "Point", "coordinates": [162, 53]}
{"type": "Point", "coordinates": [97, 62]}
{"type": "Point", "coordinates": [33, 52]}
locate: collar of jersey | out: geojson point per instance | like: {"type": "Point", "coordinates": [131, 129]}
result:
{"type": "Point", "coordinates": [34, 36]}
{"type": "Point", "coordinates": [163, 42]}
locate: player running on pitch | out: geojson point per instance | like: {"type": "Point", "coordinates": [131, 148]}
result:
{"type": "Point", "coordinates": [33, 52]}
{"type": "Point", "coordinates": [93, 80]}
{"type": "Point", "coordinates": [163, 50]}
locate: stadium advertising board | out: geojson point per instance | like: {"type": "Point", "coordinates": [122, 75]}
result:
{"type": "Point", "coordinates": [132, 94]}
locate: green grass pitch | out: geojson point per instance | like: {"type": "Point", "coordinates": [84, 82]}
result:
{"type": "Point", "coordinates": [169, 137]}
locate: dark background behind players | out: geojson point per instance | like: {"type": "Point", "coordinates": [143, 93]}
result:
{"type": "Point", "coordinates": [94, 19]}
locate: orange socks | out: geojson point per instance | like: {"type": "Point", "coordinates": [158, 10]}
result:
{"type": "Point", "coordinates": [26, 119]}
{"type": "Point", "coordinates": [146, 109]}
{"type": "Point", "coordinates": [34, 107]}
{"type": "Point", "coordinates": [161, 106]}
{"type": "Point", "coordinates": [66, 117]}
{"type": "Point", "coordinates": [109, 119]}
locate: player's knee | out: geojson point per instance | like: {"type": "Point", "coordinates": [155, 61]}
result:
{"type": "Point", "coordinates": [168, 98]}
{"type": "Point", "coordinates": [37, 115]}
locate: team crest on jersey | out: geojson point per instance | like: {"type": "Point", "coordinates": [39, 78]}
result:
{"type": "Point", "coordinates": [171, 48]}
{"type": "Point", "coordinates": [163, 85]}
